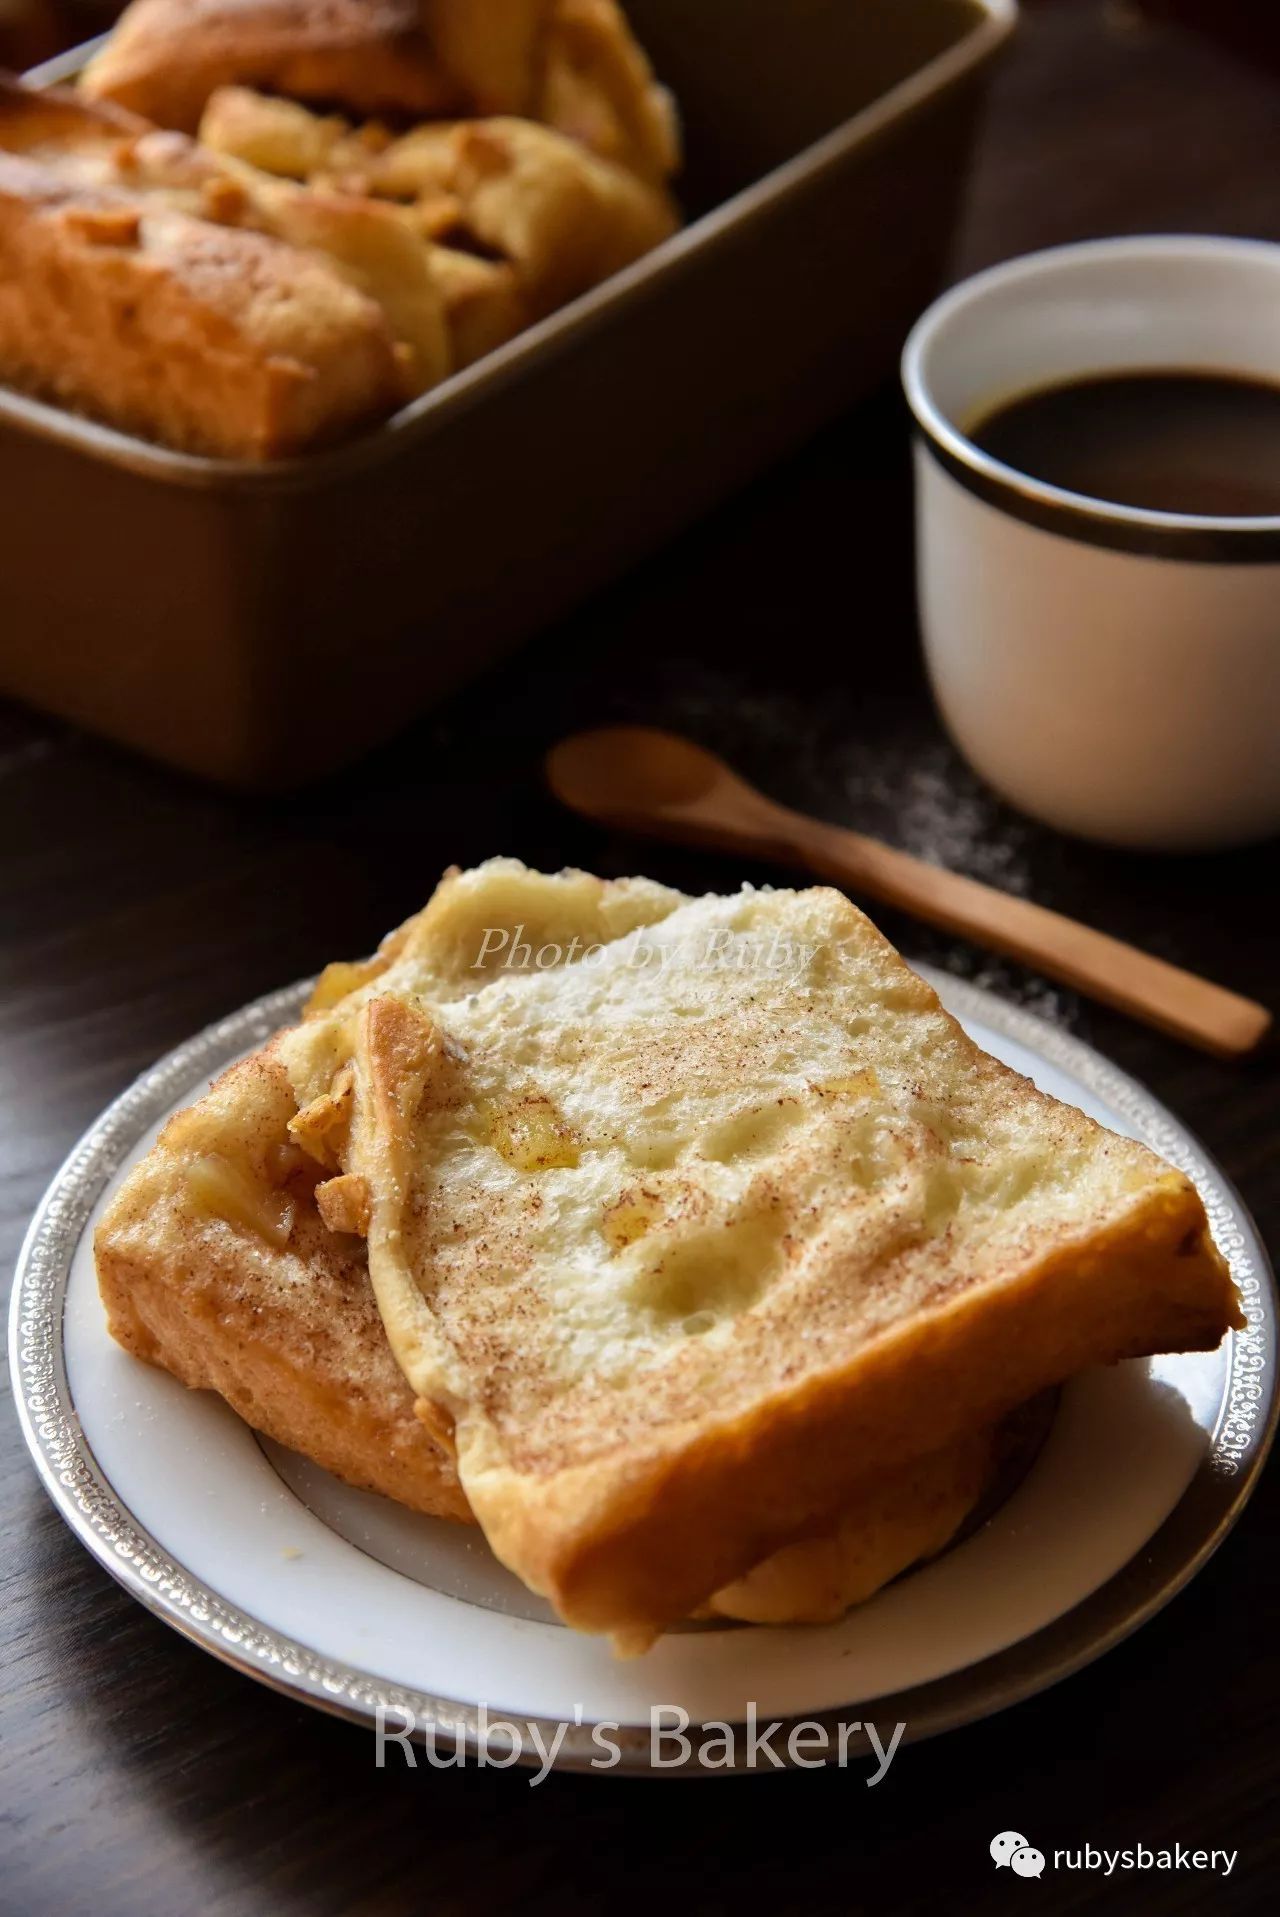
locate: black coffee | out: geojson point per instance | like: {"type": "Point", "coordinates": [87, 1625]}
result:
{"type": "Point", "coordinates": [1181, 442]}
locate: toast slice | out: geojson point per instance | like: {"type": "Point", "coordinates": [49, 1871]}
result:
{"type": "Point", "coordinates": [215, 1263]}
{"type": "Point", "coordinates": [681, 1242]}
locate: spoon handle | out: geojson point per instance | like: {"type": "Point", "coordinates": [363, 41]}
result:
{"type": "Point", "coordinates": [1104, 968]}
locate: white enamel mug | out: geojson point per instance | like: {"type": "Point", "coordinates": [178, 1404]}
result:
{"type": "Point", "coordinates": [1112, 671]}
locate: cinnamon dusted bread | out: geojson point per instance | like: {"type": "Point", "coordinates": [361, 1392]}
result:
{"type": "Point", "coordinates": [682, 1236]}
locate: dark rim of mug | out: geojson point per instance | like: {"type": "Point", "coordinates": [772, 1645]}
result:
{"type": "Point", "coordinates": [1094, 521]}
{"type": "Point", "coordinates": [1097, 522]}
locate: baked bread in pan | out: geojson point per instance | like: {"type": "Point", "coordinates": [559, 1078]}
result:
{"type": "Point", "coordinates": [506, 190]}
{"type": "Point", "coordinates": [571, 63]}
{"type": "Point", "coordinates": [460, 231]}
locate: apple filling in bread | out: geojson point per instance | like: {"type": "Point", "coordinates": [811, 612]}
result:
{"type": "Point", "coordinates": [222, 1189]}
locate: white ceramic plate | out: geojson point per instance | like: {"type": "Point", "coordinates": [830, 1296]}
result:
{"type": "Point", "coordinates": [352, 1603]}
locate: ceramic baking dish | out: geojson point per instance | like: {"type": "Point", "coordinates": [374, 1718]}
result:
{"type": "Point", "coordinates": [261, 625]}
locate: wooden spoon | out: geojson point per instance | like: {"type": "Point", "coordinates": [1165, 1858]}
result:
{"type": "Point", "coordinates": [654, 782]}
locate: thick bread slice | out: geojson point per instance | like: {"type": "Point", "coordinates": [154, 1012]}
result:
{"type": "Point", "coordinates": [213, 1261]}
{"type": "Point", "coordinates": [573, 64]}
{"type": "Point", "coordinates": [212, 339]}
{"type": "Point", "coordinates": [688, 1238]}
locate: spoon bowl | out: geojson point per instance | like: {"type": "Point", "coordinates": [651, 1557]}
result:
{"type": "Point", "coordinates": [619, 769]}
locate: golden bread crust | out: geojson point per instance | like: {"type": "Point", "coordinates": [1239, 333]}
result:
{"type": "Point", "coordinates": [562, 218]}
{"type": "Point", "coordinates": [598, 87]}
{"type": "Point", "coordinates": [484, 302]}
{"type": "Point", "coordinates": [37, 120]}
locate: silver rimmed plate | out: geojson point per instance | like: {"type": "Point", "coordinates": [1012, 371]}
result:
{"type": "Point", "coordinates": [370, 1611]}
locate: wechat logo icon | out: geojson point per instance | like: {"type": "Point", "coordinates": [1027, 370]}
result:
{"type": "Point", "coordinates": [1022, 1858]}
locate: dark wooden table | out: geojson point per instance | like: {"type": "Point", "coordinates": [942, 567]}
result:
{"type": "Point", "coordinates": [138, 1775]}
